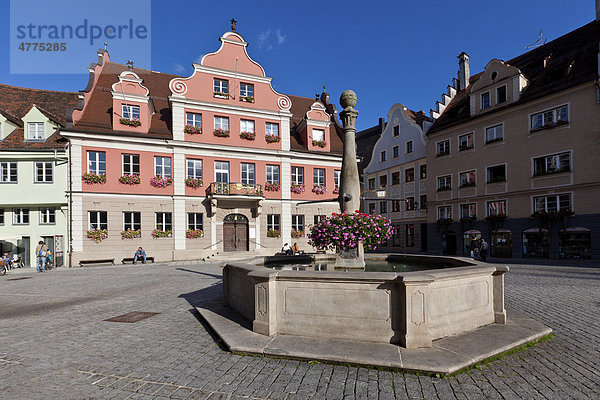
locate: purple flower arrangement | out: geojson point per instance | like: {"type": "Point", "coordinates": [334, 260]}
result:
{"type": "Point", "coordinates": [319, 189]}
{"type": "Point", "coordinates": [274, 233]}
{"type": "Point", "coordinates": [194, 183]}
{"type": "Point", "coordinates": [157, 233]}
{"type": "Point", "coordinates": [97, 235]}
{"type": "Point", "coordinates": [161, 181]}
{"type": "Point", "coordinates": [192, 129]}
{"type": "Point", "coordinates": [130, 122]}
{"type": "Point", "coordinates": [272, 187]}
{"type": "Point", "coordinates": [131, 234]}
{"type": "Point", "coordinates": [346, 231]}
{"type": "Point", "coordinates": [336, 190]}
{"type": "Point", "coordinates": [91, 178]}
{"type": "Point", "coordinates": [319, 143]}
{"type": "Point", "coordinates": [248, 135]}
{"type": "Point", "coordinates": [194, 233]}
{"type": "Point", "coordinates": [130, 179]}
{"type": "Point", "coordinates": [297, 234]}
{"type": "Point", "coordinates": [221, 132]}
{"type": "Point", "coordinates": [272, 138]}
{"type": "Point", "coordinates": [297, 188]}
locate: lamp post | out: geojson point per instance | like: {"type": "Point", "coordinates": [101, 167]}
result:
{"type": "Point", "coordinates": [350, 184]}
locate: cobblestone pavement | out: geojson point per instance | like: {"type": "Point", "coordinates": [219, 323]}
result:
{"type": "Point", "coordinates": [55, 344]}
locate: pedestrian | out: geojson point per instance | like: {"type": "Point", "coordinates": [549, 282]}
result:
{"type": "Point", "coordinates": [483, 250]}
{"type": "Point", "coordinates": [41, 252]}
{"type": "Point", "coordinates": [140, 253]}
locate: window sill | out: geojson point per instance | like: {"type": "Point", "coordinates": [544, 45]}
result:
{"type": "Point", "coordinates": [442, 154]}
{"type": "Point", "coordinates": [47, 183]}
{"type": "Point", "coordinates": [467, 186]}
{"type": "Point", "coordinates": [466, 148]}
{"type": "Point", "coordinates": [493, 182]}
{"type": "Point", "coordinates": [549, 126]}
{"type": "Point", "coordinates": [494, 141]}
{"type": "Point", "coordinates": [221, 96]}
{"type": "Point", "coordinates": [444, 189]}
{"type": "Point", "coordinates": [546, 174]}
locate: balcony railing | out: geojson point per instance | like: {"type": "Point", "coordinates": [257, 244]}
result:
{"type": "Point", "coordinates": [233, 189]}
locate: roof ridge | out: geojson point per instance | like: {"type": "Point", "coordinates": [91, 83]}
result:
{"type": "Point", "coordinates": [36, 90]}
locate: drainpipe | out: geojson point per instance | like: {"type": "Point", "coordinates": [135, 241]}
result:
{"type": "Point", "coordinates": [70, 210]}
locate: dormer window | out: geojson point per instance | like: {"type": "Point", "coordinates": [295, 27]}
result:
{"type": "Point", "coordinates": [221, 88]}
{"type": "Point", "coordinates": [500, 94]}
{"type": "Point", "coordinates": [35, 131]}
{"type": "Point", "coordinates": [318, 135]}
{"type": "Point", "coordinates": [485, 100]}
{"type": "Point", "coordinates": [131, 112]}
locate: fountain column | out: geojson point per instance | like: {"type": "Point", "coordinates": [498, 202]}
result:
{"type": "Point", "coordinates": [349, 197]}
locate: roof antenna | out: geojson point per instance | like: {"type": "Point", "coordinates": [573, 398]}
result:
{"type": "Point", "coordinates": [539, 42]}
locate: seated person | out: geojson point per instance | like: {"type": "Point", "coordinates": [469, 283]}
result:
{"type": "Point", "coordinates": [140, 253]}
{"type": "Point", "coordinates": [286, 249]}
{"type": "Point", "coordinates": [295, 249]}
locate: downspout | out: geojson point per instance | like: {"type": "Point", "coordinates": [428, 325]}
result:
{"type": "Point", "coordinates": [70, 211]}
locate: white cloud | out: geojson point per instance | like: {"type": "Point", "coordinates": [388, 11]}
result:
{"type": "Point", "coordinates": [280, 37]}
{"type": "Point", "coordinates": [263, 39]}
{"type": "Point", "coordinates": [179, 69]}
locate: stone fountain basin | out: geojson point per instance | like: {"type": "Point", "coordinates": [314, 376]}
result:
{"type": "Point", "coordinates": [410, 309]}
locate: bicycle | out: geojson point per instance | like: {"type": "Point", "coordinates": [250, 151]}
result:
{"type": "Point", "coordinates": [3, 267]}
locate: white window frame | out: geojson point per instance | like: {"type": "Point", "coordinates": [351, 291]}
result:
{"type": "Point", "coordinates": [194, 119]}
{"type": "Point", "coordinates": [221, 122]}
{"type": "Point", "coordinates": [446, 214]}
{"type": "Point", "coordinates": [470, 173]}
{"type": "Point", "coordinates": [548, 162]}
{"type": "Point", "coordinates": [297, 175]}
{"type": "Point", "coordinates": [130, 112]}
{"type": "Point", "coordinates": [192, 221]}
{"type": "Point", "coordinates": [220, 85]}
{"type": "Point", "coordinates": [47, 216]}
{"type": "Point", "coordinates": [163, 168]}
{"type": "Point", "coordinates": [128, 164]}
{"type": "Point", "coordinates": [445, 151]}
{"type": "Point", "coordinates": [246, 89]}
{"type": "Point", "coordinates": [489, 100]}
{"type": "Point", "coordinates": [9, 172]}
{"type": "Point", "coordinates": [132, 223]}
{"type": "Point", "coordinates": [248, 173]}
{"type": "Point", "coordinates": [469, 135]}
{"type": "Point", "coordinates": [274, 222]}
{"type": "Point", "coordinates": [555, 116]}
{"type": "Point", "coordinates": [95, 157]}
{"type": "Point", "coordinates": [444, 178]}
{"type": "Point", "coordinates": [195, 166]}
{"type": "Point", "coordinates": [471, 208]}
{"type": "Point", "coordinates": [496, 138]}
{"type": "Point", "coordinates": [163, 221]}
{"type": "Point", "coordinates": [218, 167]}
{"type": "Point", "coordinates": [35, 131]}
{"type": "Point", "coordinates": [273, 173]}
{"type": "Point", "coordinates": [318, 134]}
{"type": "Point", "coordinates": [247, 125]}
{"type": "Point", "coordinates": [318, 178]}
{"type": "Point", "coordinates": [21, 216]}
{"type": "Point", "coordinates": [298, 222]}
{"type": "Point", "coordinates": [337, 175]}
{"type": "Point", "coordinates": [101, 218]}
{"type": "Point", "coordinates": [556, 197]}
{"type": "Point", "coordinates": [271, 129]}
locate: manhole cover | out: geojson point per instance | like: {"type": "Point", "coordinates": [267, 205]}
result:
{"type": "Point", "coordinates": [19, 279]}
{"type": "Point", "coordinates": [131, 317]}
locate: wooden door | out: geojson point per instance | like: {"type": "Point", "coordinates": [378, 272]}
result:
{"type": "Point", "coordinates": [229, 242]}
{"type": "Point", "coordinates": [241, 234]}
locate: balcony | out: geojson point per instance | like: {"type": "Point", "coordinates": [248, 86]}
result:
{"type": "Point", "coordinates": [235, 189]}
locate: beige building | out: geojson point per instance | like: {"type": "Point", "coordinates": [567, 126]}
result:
{"type": "Point", "coordinates": [514, 156]}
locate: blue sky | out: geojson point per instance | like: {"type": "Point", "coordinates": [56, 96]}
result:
{"type": "Point", "coordinates": [386, 51]}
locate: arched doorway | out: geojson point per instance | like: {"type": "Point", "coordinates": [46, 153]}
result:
{"type": "Point", "coordinates": [235, 233]}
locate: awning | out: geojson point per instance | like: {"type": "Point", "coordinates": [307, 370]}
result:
{"type": "Point", "coordinates": [502, 231]}
{"type": "Point", "coordinates": [472, 232]}
{"type": "Point", "coordinates": [576, 229]}
{"type": "Point", "coordinates": [10, 237]}
{"type": "Point", "coordinates": [536, 230]}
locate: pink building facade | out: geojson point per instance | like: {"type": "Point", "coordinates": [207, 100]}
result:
{"type": "Point", "coordinates": [190, 166]}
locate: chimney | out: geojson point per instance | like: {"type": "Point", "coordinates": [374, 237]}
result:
{"type": "Point", "coordinates": [463, 70]}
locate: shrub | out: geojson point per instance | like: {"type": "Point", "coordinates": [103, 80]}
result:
{"type": "Point", "coordinates": [297, 234]}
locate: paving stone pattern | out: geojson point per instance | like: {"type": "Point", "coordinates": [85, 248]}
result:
{"type": "Point", "coordinates": [55, 344]}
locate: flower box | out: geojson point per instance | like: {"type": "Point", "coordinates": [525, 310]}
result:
{"type": "Point", "coordinates": [161, 182]}
{"type": "Point", "coordinates": [248, 135]}
{"type": "Point", "coordinates": [157, 233]}
{"type": "Point", "coordinates": [494, 140]}
{"type": "Point", "coordinates": [319, 143]}
{"type": "Point", "coordinates": [444, 221]}
{"type": "Point", "coordinates": [554, 171]}
{"type": "Point", "coordinates": [247, 99]}
{"type": "Point", "coordinates": [496, 218]}
{"type": "Point", "coordinates": [468, 220]}
{"type": "Point", "coordinates": [297, 234]}
{"type": "Point", "coordinates": [194, 183]}
{"type": "Point", "coordinates": [463, 148]}
{"type": "Point", "coordinates": [220, 95]}
{"type": "Point", "coordinates": [272, 138]}
{"type": "Point", "coordinates": [130, 179]}
{"type": "Point", "coordinates": [91, 178]}
{"type": "Point", "coordinates": [319, 189]}
{"type": "Point", "coordinates": [467, 184]}
{"type": "Point", "coordinates": [192, 129]}
{"type": "Point", "coordinates": [345, 231]}
{"type": "Point", "coordinates": [272, 187]}
{"type": "Point", "coordinates": [194, 233]}
{"type": "Point", "coordinates": [130, 122]}
{"type": "Point", "coordinates": [336, 190]}
{"type": "Point", "coordinates": [131, 234]}
{"type": "Point", "coordinates": [221, 132]}
{"type": "Point", "coordinates": [274, 233]}
{"type": "Point", "coordinates": [97, 235]}
{"type": "Point", "coordinates": [297, 188]}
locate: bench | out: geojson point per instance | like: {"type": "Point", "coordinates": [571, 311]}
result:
{"type": "Point", "coordinates": [103, 261]}
{"type": "Point", "coordinates": [130, 259]}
